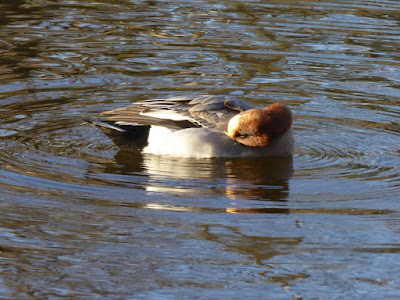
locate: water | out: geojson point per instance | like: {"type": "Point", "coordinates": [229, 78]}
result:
{"type": "Point", "coordinates": [79, 219]}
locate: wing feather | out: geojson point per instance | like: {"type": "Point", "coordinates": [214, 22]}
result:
{"type": "Point", "coordinates": [180, 112]}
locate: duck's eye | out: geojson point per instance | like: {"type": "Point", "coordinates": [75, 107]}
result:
{"type": "Point", "coordinates": [242, 135]}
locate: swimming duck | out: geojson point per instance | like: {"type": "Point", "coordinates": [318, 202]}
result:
{"type": "Point", "coordinates": [200, 127]}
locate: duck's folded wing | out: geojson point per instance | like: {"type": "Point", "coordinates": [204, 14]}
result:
{"type": "Point", "coordinates": [180, 112]}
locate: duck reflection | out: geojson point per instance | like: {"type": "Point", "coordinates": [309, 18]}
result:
{"type": "Point", "coordinates": [264, 179]}
{"type": "Point", "coordinates": [259, 179]}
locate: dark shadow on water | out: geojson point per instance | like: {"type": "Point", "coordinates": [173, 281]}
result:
{"type": "Point", "coordinates": [261, 248]}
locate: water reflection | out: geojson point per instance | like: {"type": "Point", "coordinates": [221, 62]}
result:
{"type": "Point", "coordinates": [239, 178]}
{"type": "Point", "coordinates": [93, 223]}
{"type": "Point", "coordinates": [261, 248]}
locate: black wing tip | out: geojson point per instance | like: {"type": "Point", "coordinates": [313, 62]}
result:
{"type": "Point", "coordinates": [126, 137]}
{"type": "Point", "coordinates": [89, 121]}
{"type": "Point", "coordinates": [104, 125]}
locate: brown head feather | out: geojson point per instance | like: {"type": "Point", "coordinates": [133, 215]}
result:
{"type": "Point", "coordinates": [258, 127]}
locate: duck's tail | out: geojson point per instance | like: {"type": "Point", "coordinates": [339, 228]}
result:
{"type": "Point", "coordinates": [127, 136]}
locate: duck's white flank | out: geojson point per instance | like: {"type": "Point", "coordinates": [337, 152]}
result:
{"type": "Point", "coordinates": [208, 143]}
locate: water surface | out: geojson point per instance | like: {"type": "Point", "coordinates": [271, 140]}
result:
{"type": "Point", "coordinates": [80, 219]}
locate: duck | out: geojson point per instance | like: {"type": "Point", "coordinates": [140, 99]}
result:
{"type": "Point", "coordinates": [204, 126]}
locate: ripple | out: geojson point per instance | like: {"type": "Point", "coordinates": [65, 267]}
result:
{"type": "Point", "coordinates": [267, 210]}
{"type": "Point", "coordinates": [349, 146]}
{"type": "Point", "coordinates": [76, 210]}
